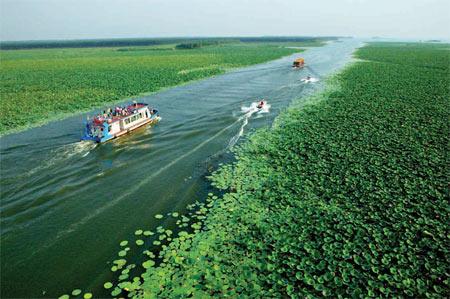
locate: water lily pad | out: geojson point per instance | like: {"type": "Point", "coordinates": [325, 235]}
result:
{"type": "Point", "coordinates": [175, 214]}
{"type": "Point", "coordinates": [159, 216]}
{"type": "Point", "coordinates": [138, 232]}
{"type": "Point", "coordinates": [120, 262]}
{"type": "Point", "coordinates": [122, 253]}
{"type": "Point", "coordinates": [148, 233]}
{"type": "Point", "coordinates": [76, 292]}
{"type": "Point", "coordinates": [107, 285]}
{"type": "Point", "coordinates": [87, 296]}
{"type": "Point", "coordinates": [148, 264]}
{"type": "Point", "coordinates": [65, 296]}
{"type": "Point", "coordinates": [116, 292]}
{"type": "Point", "coordinates": [124, 243]}
{"type": "Point", "coordinates": [139, 242]}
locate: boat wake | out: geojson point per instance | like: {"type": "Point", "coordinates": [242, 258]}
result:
{"type": "Point", "coordinates": [248, 113]}
{"type": "Point", "coordinates": [62, 153]}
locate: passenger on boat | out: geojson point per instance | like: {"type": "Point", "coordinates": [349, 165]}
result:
{"type": "Point", "coordinates": [260, 104]}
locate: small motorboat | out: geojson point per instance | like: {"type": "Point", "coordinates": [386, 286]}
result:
{"type": "Point", "coordinates": [119, 121]}
{"type": "Point", "coordinates": [261, 104]}
{"type": "Point", "coordinates": [309, 79]}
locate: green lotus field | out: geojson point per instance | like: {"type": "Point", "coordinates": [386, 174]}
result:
{"type": "Point", "coordinates": [38, 85]}
{"type": "Point", "coordinates": [344, 197]}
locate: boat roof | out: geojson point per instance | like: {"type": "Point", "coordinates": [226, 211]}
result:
{"type": "Point", "coordinates": [129, 108]}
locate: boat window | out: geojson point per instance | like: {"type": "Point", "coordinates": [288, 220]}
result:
{"type": "Point", "coordinates": [146, 114]}
{"type": "Point", "coordinates": [109, 128]}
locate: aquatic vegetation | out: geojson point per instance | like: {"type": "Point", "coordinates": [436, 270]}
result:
{"type": "Point", "coordinates": [346, 196]}
{"type": "Point", "coordinates": [38, 85]}
{"type": "Point", "coordinates": [343, 197]}
{"type": "Point", "coordinates": [145, 44]}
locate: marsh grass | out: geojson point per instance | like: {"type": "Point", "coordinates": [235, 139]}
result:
{"type": "Point", "coordinates": [47, 84]}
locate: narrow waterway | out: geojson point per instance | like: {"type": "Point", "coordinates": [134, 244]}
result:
{"type": "Point", "coordinates": [65, 204]}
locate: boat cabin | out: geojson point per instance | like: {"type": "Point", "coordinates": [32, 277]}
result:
{"type": "Point", "coordinates": [299, 62]}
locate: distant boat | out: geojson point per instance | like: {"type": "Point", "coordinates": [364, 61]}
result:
{"type": "Point", "coordinates": [309, 79]}
{"type": "Point", "coordinates": [119, 121]}
{"type": "Point", "coordinates": [298, 63]}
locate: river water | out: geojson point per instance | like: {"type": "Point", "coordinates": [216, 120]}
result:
{"type": "Point", "coordinates": [65, 204]}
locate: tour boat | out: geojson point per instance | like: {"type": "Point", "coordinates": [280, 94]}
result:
{"type": "Point", "coordinates": [119, 121]}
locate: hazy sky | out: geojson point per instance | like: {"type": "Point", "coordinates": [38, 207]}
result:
{"type": "Point", "coordinates": [79, 19]}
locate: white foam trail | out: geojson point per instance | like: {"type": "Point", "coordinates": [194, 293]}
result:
{"type": "Point", "coordinates": [236, 137]}
{"type": "Point", "coordinates": [65, 152]}
{"type": "Point", "coordinates": [249, 111]}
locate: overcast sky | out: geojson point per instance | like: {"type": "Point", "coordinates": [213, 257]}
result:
{"type": "Point", "coordinates": [84, 19]}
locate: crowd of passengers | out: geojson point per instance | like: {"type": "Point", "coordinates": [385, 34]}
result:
{"type": "Point", "coordinates": [117, 111]}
